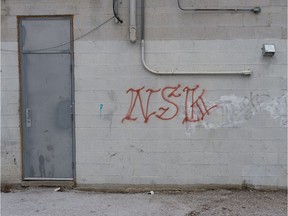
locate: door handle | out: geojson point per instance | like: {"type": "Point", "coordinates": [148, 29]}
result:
{"type": "Point", "coordinates": [28, 117]}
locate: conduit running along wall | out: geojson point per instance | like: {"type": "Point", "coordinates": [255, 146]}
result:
{"type": "Point", "coordinates": [175, 72]}
{"type": "Point", "coordinates": [132, 27]}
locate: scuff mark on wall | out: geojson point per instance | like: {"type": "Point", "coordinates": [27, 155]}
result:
{"type": "Point", "coordinates": [113, 155]}
{"type": "Point", "coordinates": [109, 117]}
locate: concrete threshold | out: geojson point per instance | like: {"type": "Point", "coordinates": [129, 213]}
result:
{"type": "Point", "coordinates": [66, 184]}
{"type": "Point", "coordinates": [126, 188]}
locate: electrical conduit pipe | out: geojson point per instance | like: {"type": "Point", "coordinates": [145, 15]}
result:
{"type": "Point", "coordinates": [132, 27]}
{"type": "Point", "coordinates": [175, 72]}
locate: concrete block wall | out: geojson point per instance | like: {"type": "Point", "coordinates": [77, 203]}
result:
{"type": "Point", "coordinates": [11, 164]}
{"type": "Point", "coordinates": [244, 137]}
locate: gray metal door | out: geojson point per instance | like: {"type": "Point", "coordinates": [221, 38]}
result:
{"type": "Point", "coordinates": [47, 98]}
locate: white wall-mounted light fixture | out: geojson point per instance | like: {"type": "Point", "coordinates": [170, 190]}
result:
{"type": "Point", "coordinates": [268, 50]}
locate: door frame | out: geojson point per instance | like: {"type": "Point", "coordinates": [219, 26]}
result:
{"type": "Point", "coordinates": [22, 100]}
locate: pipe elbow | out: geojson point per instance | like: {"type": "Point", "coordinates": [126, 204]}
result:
{"type": "Point", "coordinates": [143, 59]}
{"type": "Point", "coordinates": [247, 72]}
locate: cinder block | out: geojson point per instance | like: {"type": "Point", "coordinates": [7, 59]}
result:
{"type": "Point", "coordinates": [11, 158]}
{"type": "Point", "coordinates": [282, 181]}
{"type": "Point", "coordinates": [10, 145]}
{"type": "Point", "coordinates": [253, 170]}
{"type": "Point", "coordinates": [8, 133]}
{"type": "Point", "coordinates": [10, 173]}
{"type": "Point", "coordinates": [282, 157]}
{"type": "Point", "coordinates": [276, 170]}
{"type": "Point", "coordinates": [243, 32]}
{"type": "Point", "coordinates": [92, 157]}
{"type": "Point", "coordinates": [8, 121]}
{"type": "Point", "coordinates": [9, 59]}
{"type": "Point", "coordinates": [148, 170]}
{"type": "Point", "coordinates": [262, 158]}
{"type": "Point", "coordinates": [85, 134]}
{"type": "Point", "coordinates": [10, 72]}
{"type": "Point", "coordinates": [9, 84]}
{"type": "Point", "coordinates": [268, 32]}
{"type": "Point", "coordinates": [9, 47]}
{"type": "Point", "coordinates": [9, 35]}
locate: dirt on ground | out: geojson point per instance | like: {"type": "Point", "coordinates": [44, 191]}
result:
{"type": "Point", "coordinates": [54, 202]}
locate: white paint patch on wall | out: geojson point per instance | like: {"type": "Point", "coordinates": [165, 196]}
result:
{"type": "Point", "coordinates": [277, 109]}
{"type": "Point", "coordinates": [233, 111]}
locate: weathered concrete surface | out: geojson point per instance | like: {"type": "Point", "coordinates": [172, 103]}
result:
{"type": "Point", "coordinates": [243, 140]}
{"type": "Point", "coordinates": [211, 202]}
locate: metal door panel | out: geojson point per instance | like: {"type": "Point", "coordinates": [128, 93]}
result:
{"type": "Point", "coordinates": [39, 34]}
{"type": "Point", "coordinates": [49, 134]}
{"type": "Point", "coordinates": [47, 99]}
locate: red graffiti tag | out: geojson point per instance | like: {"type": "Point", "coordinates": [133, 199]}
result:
{"type": "Point", "coordinates": [134, 99]}
{"type": "Point", "coordinates": [198, 106]}
{"type": "Point", "coordinates": [172, 94]}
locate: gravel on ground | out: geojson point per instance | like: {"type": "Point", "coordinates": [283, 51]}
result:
{"type": "Point", "coordinates": [48, 201]}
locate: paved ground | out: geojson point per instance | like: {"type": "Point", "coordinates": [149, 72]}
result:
{"type": "Point", "coordinates": [45, 201]}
